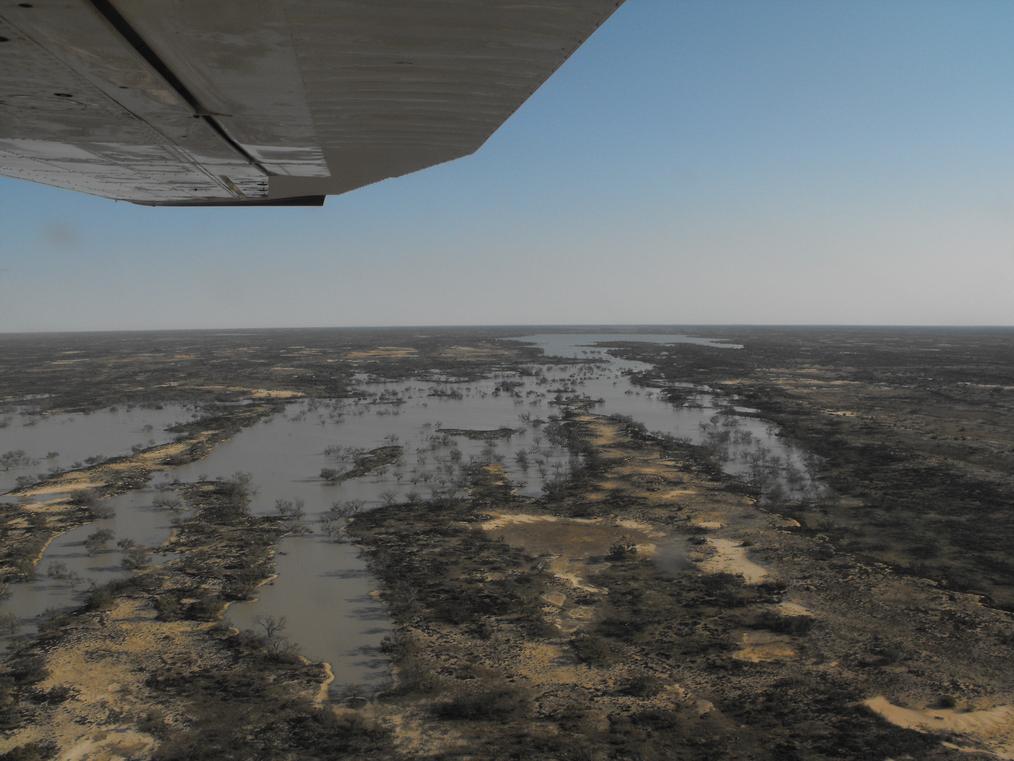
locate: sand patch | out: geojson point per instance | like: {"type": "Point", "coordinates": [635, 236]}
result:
{"type": "Point", "coordinates": [763, 647]}
{"type": "Point", "coordinates": [992, 728]}
{"type": "Point", "coordinates": [611, 485]}
{"type": "Point", "coordinates": [792, 609]}
{"type": "Point", "coordinates": [113, 744]}
{"type": "Point", "coordinates": [68, 483]}
{"type": "Point", "coordinates": [603, 433]}
{"type": "Point", "coordinates": [155, 456]}
{"type": "Point", "coordinates": [556, 599]}
{"type": "Point", "coordinates": [731, 557]}
{"type": "Point", "coordinates": [570, 542]}
{"type": "Point", "coordinates": [54, 505]}
{"type": "Point", "coordinates": [571, 537]}
{"type": "Point", "coordinates": [544, 664]}
{"type": "Point", "coordinates": [325, 685]}
{"type": "Point", "coordinates": [106, 674]}
{"type": "Point", "coordinates": [670, 495]}
{"type": "Point", "coordinates": [707, 523]}
{"type": "Point", "coordinates": [253, 393]}
{"type": "Point", "coordinates": [382, 352]}
{"type": "Point", "coordinates": [614, 453]}
{"type": "Point", "coordinates": [661, 469]}
{"type": "Point", "coordinates": [268, 393]}
{"type": "Point", "coordinates": [574, 573]}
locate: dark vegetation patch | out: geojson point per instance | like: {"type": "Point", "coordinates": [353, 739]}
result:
{"type": "Point", "coordinates": [481, 601]}
{"type": "Point", "coordinates": [480, 435]}
{"type": "Point", "coordinates": [441, 575]}
{"type": "Point", "coordinates": [364, 463]}
{"type": "Point", "coordinates": [439, 567]}
{"type": "Point", "coordinates": [244, 696]}
{"type": "Point", "coordinates": [21, 545]}
{"type": "Point", "coordinates": [155, 367]}
{"type": "Point", "coordinates": [913, 430]}
{"type": "Point", "coordinates": [250, 708]}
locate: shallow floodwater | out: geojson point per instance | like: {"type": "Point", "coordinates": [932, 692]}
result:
{"type": "Point", "coordinates": [33, 444]}
{"type": "Point", "coordinates": [747, 446]}
{"type": "Point", "coordinates": [322, 589]}
{"type": "Point", "coordinates": [68, 571]}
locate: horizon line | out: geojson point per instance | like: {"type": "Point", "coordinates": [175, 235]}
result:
{"type": "Point", "coordinates": [459, 326]}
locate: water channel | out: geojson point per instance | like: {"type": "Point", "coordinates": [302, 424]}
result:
{"type": "Point", "coordinates": [322, 588]}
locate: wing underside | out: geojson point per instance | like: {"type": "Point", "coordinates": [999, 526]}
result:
{"type": "Point", "coordinates": [235, 102]}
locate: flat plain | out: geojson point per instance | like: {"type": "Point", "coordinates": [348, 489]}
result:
{"type": "Point", "coordinates": [508, 543]}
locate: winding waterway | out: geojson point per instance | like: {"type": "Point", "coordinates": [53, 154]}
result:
{"type": "Point", "coordinates": [323, 590]}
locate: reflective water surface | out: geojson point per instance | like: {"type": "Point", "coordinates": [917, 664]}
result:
{"type": "Point", "coordinates": [442, 427]}
{"type": "Point", "coordinates": [33, 444]}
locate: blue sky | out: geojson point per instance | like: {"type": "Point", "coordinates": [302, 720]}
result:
{"type": "Point", "coordinates": [695, 162]}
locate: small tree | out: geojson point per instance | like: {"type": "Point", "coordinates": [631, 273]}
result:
{"type": "Point", "coordinates": [96, 541]}
{"type": "Point", "coordinates": [275, 642]}
{"type": "Point", "coordinates": [167, 502]}
{"type": "Point", "coordinates": [335, 520]}
{"type": "Point", "coordinates": [134, 555]}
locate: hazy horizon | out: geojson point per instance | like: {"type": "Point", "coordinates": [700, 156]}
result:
{"type": "Point", "coordinates": [566, 327]}
{"type": "Point", "coordinates": [783, 163]}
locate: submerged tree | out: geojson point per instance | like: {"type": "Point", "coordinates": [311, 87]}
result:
{"type": "Point", "coordinates": [97, 540]}
{"type": "Point", "coordinates": [272, 637]}
{"type": "Point", "coordinates": [334, 523]}
{"type": "Point", "coordinates": [291, 510]}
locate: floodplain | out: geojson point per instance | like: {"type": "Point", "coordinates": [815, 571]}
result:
{"type": "Point", "coordinates": [517, 543]}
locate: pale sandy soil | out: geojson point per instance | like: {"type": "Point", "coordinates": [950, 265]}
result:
{"type": "Point", "coordinates": [570, 542]}
{"type": "Point", "coordinates": [731, 557]}
{"type": "Point", "coordinates": [253, 393]}
{"type": "Point", "coordinates": [382, 352]}
{"type": "Point", "coordinates": [761, 647]}
{"type": "Point", "coordinates": [987, 728]}
{"type": "Point", "coordinates": [106, 676]}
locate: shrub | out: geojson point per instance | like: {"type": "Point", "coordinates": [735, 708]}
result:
{"type": "Point", "coordinates": [97, 540]}
{"type": "Point", "coordinates": [483, 704]}
{"type": "Point", "coordinates": [591, 649]}
{"type": "Point", "coordinates": [622, 551]}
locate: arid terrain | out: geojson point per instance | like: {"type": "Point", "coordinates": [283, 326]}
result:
{"type": "Point", "coordinates": [508, 543]}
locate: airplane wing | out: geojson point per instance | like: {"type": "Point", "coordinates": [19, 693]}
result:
{"type": "Point", "coordinates": [277, 102]}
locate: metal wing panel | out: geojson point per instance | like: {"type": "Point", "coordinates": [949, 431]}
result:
{"type": "Point", "coordinates": [239, 59]}
{"type": "Point", "coordinates": [191, 101]}
{"type": "Point", "coordinates": [397, 86]}
{"type": "Point", "coordinates": [82, 110]}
